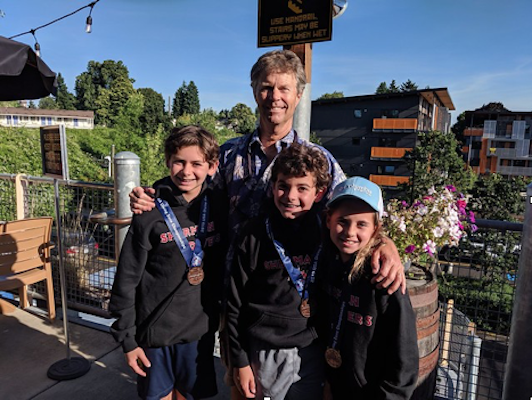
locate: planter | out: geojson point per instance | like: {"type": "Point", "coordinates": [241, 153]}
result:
{"type": "Point", "coordinates": [423, 292]}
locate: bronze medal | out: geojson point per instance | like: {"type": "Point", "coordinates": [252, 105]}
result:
{"type": "Point", "coordinates": [304, 308]}
{"type": "Point", "coordinates": [333, 357]}
{"type": "Point", "coordinates": [195, 276]}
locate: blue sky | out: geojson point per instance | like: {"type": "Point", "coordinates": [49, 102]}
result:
{"type": "Point", "coordinates": [479, 49]}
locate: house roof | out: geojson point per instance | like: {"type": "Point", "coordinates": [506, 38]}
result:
{"type": "Point", "coordinates": [442, 94]}
{"type": "Point", "coordinates": [39, 112]}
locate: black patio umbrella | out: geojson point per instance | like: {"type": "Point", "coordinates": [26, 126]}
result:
{"type": "Point", "coordinates": [23, 75]}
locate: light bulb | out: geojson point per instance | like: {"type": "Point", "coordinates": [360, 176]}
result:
{"type": "Point", "coordinates": [37, 49]}
{"type": "Point", "coordinates": [88, 28]}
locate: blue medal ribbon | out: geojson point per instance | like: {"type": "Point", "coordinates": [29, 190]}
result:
{"type": "Point", "coordinates": [193, 258]}
{"type": "Point", "coordinates": [300, 283]}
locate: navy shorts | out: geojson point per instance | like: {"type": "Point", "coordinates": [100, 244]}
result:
{"type": "Point", "coordinates": [186, 367]}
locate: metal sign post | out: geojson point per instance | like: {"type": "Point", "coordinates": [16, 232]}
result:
{"type": "Point", "coordinates": [55, 164]}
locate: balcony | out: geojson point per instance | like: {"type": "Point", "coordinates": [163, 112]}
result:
{"type": "Point", "coordinates": [394, 125]}
{"type": "Point", "coordinates": [473, 132]}
{"type": "Point", "coordinates": [388, 152]}
{"type": "Point", "coordinates": [388, 180]}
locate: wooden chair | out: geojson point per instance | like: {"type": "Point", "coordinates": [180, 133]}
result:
{"type": "Point", "coordinates": [25, 258]}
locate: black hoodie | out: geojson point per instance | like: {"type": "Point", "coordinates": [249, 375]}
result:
{"type": "Point", "coordinates": [151, 298]}
{"type": "Point", "coordinates": [263, 303]}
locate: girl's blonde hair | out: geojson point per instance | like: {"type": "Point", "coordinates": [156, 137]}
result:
{"type": "Point", "coordinates": [365, 252]}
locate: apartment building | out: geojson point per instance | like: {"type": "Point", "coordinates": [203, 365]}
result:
{"type": "Point", "coordinates": [37, 117]}
{"type": "Point", "coordinates": [369, 135]}
{"type": "Point", "coordinates": [498, 141]}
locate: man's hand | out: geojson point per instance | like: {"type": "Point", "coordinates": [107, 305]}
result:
{"type": "Point", "coordinates": [138, 361]}
{"type": "Point", "coordinates": [139, 201]}
{"type": "Point", "coordinates": [387, 266]}
{"type": "Point", "coordinates": [245, 381]}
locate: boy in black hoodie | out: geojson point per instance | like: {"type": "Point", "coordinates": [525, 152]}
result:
{"type": "Point", "coordinates": [270, 314]}
{"type": "Point", "coordinates": [166, 291]}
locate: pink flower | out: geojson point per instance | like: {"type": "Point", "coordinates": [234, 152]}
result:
{"type": "Point", "coordinates": [450, 188]}
{"type": "Point", "coordinates": [410, 249]}
{"type": "Point", "coordinates": [472, 217]}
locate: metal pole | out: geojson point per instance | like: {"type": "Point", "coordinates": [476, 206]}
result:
{"type": "Point", "coordinates": [302, 114]}
{"type": "Point", "coordinates": [517, 382]}
{"type": "Point", "coordinates": [70, 367]}
{"type": "Point", "coordinates": [127, 176]}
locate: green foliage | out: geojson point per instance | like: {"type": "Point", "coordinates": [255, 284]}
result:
{"type": "Point", "coordinates": [104, 88]}
{"type": "Point", "coordinates": [333, 95]}
{"type": "Point", "coordinates": [65, 100]}
{"type": "Point", "coordinates": [314, 138]}
{"type": "Point", "coordinates": [242, 118]}
{"type": "Point", "coordinates": [487, 302]}
{"type": "Point", "coordinates": [186, 100]}
{"type": "Point", "coordinates": [382, 88]}
{"type": "Point", "coordinates": [393, 87]}
{"type": "Point", "coordinates": [13, 103]}
{"type": "Point", "coordinates": [48, 103]}
{"type": "Point", "coordinates": [152, 163]}
{"type": "Point", "coordinates": [499, 198]}
{"type": "Point", "coordinates": [408, 86]}
{"type": "Point", "coordinates": [209, 120]}
{"type": "Point", "coordinates": [153, 114]}
{"type": "Point", "coordinates": [459, 127]}
{"type": "Point", "coordinates": [436, 162]}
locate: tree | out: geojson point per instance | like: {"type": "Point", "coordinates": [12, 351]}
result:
{"type": "Point", "coordinates": [459, 127]}
{"type": "Point", "coordinates": [153, 113]}
{"type": "Point", "coordinates": [408, 86]}
{"type": "Point", "coordinates": [382, 88]}
{"type": "Point", "coordinates": [65, 100]}
{"type": "Point", "coordinates": [499, 198]}
{"type": "Point", "coordinates": [186, 100]}
{"type": "Point", "coordinates": [393, 87]}
{"type": "Point", "coordinates": [493, 107]}
{"type": "Point", "coordinates": [333, 95]}
{"type": "Point", "coordinates": [436, 161]}
{"type": "Point", "coordinates": [104, 88]}
{"type": "Point", "coordinates": [192, 103]}
{"type": "Point", "coordinates": [32, 104]}
{"type": "Point", "coordinates": [242, 119]}
{"type": "Point", "coordinates": [48, 103]}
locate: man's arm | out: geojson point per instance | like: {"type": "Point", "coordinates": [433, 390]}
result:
{"type": "Point", "coordinates": [387, 266]}
{"type": "Point", "coordinates": [140, 201]}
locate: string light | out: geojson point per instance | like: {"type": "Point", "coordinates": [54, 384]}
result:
{"type": "Point", "coordinates": [88, 27]}
{"type": "Point", "coordinates": [37, 45]}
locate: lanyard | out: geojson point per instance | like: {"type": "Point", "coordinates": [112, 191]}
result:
{"type": "Point", "coordinates": [295, 274]}
{"type": "Point", "coordinates": [341, 314]}
{"type": "Point", "coordinates": [193, 258]}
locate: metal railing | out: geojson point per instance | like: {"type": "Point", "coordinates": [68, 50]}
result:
{"type": "Point", "coordinates": [477, 283]}
{"type": "Point", "coordinates": [477, 289]}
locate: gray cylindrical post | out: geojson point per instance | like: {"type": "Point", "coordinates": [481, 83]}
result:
{"type": "Point", "coordinates": [127, 176]}
{"type": "Point", "coordinates": [517, 382]}
{"type": "Point", "coordinates": [302, 114]}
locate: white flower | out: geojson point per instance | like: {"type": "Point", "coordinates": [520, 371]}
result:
{"type": "Point", "coordinates": [438, 232]}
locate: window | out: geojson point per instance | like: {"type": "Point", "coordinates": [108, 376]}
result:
{"type": "Point", "coordinates": [15, 120]}
{"type": "Point", "coordinates": [519, 163]}
{"type": "Point", "coordinates": [49, 120]}
{"type": "Point", "coordinates": [385, 169]}
{"type": "Point", "coordinates": [387, 142]}
{"type": "Point", "coordinates": [8, 119]}
{"type": "Point", "coordinates": [76, 122]}
{"type": "Point", "coordinates": [43, 121]}
{"type": "Point", "coordinates": [358, 113]}
{"type": "Point", "coordinates": [355, 141]}
{"type": "Point", "coordinates": [390, 113]}
{"type": "Point", "coordinates": [477, 145]}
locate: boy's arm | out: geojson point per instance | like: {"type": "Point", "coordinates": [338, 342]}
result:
{"type": "Point", "coordinates": [400, 357]}
{"type": "Point", "coordinates": [122, 306]}
{"type": "Point", "coordinates": [235, 302]}
{"type": "Point", "coordinates": [387, 267]}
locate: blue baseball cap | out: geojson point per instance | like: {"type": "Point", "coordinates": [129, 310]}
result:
{"type": "Point", "coordinates": [359, 188]}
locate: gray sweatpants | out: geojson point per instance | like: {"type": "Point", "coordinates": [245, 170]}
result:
{"type": "Point", "coordinates": [288, 374]}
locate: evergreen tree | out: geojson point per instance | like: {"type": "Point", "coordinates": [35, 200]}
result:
{"type": "Point", "coordinates": [65, 100]}
{"type": "Point", "coordinates": [382, 89]}
{"type": "Point", "coordinates": [179, 97]}
{"type": "Point", "coordinates": [408, 86]}
{"type": "Point", "coordinates": [153, 113]}
{"type": "Point", "coordinates": [192, 102]}
{"type": "Point", "coordinates": [393, 87]}
{"type": "Point", "coordinates": [242, 119]}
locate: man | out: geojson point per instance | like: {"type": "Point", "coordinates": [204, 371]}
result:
{"type": "Point", "coordinates": [278, 80]}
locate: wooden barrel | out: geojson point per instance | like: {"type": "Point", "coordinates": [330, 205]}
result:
{"type": "Point", "coordinates": [424, 298]}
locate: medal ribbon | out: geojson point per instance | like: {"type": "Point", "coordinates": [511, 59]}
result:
{"type": "Point", "coordinates": [295, 274]}
{"type": "Point", "coordinates": [193, 258]}
{"type": "Point", "coordinates": [339, 322]}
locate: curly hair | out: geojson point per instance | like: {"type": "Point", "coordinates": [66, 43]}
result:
{"type": "Point", "coordinates": [192, 135]}
{"type": "Point", "coordinates": [299, 160]}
